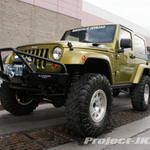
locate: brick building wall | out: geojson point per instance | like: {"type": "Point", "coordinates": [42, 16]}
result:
{"type": "Point", "coordinates": [35, 21]}
{"type": "Point", "coordinates": [22, 23]}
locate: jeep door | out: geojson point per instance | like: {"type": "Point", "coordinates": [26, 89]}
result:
{"type": "Point", "coordinates": [124, 61]}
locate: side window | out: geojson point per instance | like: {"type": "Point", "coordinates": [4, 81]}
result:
{"type": "Point", "coordinates": [139, 45]}
{"type": "Point", "coordinates": [148, 57]}
{"type": "Point", "coordinates": [124, 35]}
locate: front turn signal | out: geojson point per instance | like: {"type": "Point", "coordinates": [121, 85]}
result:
{"type": "Point", "coordinates": [55, 66]}
{"type": "Point", "coordinates": [83, 58]}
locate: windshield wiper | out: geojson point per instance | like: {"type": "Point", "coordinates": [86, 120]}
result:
{"type": "Point", "coordinates": [93, 44]}
{"type": "Point", "coordinates": [96, 44]}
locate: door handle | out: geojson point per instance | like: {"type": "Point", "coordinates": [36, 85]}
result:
{"type": "Point", "coordinates": [132, 57]}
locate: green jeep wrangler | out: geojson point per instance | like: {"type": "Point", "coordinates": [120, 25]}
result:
{"type": "Point", "coordinates": [80, 72]}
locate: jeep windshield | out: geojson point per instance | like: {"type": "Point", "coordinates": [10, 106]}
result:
{"type": "Point", "coordinates": [95, 34]}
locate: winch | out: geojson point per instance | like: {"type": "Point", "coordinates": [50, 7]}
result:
{"type": "Point", "coordinates": [16, 70]}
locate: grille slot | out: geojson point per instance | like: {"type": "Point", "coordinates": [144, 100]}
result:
{"type": "Point", "coordinates": [33, 52]}
{"type": "Point", "coordinates": [38, 52]}
{"type": "Point", "coordinates": [46, 54]}
{"type": "Point", "coordinates": [40, 61]}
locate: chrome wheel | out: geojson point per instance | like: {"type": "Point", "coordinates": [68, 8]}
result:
{"type": "Point", "coordinates": [22, 97]}
{"type": "Point", "coordinates": [146, 94]}
{"type": "Point", "coordinates": [98, 105]}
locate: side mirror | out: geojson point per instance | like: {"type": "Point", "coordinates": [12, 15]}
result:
{"type": "Point", "coordinates": [148, 48]}
{"type": "Point", "coordinates": [124, 43]}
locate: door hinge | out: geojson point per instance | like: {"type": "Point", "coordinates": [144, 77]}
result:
{"type": "Point", "coordinates": [117, 73]}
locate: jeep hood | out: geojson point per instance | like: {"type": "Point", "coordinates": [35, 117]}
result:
{"type": "Point", "coordinates": [75, 45]}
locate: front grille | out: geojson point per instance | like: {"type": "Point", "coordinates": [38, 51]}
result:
{"type": "Point", "coordinates": [38, 52]}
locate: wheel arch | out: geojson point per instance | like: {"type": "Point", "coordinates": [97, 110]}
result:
{"type": "Point", "coordinates": [102, 66]}
{"type": "Point", "coordinates": [141, 70]}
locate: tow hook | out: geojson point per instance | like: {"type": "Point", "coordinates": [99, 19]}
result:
{"type": "Point", "coordinates": [11, 74]}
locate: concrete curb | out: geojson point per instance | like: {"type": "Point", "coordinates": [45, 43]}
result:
{"type": "Point", "coordinates": [125, 131]}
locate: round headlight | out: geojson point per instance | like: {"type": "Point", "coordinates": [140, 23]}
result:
{"type": "Point", "coordinates": [57, 53]}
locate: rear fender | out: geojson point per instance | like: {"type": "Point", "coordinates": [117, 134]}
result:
{"type": "Point", "coordinates": [142, 69]}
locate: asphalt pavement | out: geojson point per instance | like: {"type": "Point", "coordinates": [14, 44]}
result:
{"type": "Point", "coordinates": [46, 115]}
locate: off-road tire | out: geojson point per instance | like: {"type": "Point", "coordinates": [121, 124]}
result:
{"type": "Point", "coordinates": [116, 92]}
{"type": "Point", "coordinates": [79, 102]}
{"type": "Point", "coordinates": [9, 102]}
{"type": "Point", "coordinates": [138, 94]}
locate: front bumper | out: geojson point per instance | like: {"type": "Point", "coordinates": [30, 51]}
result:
{"type": "Point", "coordinates": [33, 77]}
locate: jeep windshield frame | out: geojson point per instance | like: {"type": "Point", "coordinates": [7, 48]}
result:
{"type": "Point", "coordinates": [94, 34]}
